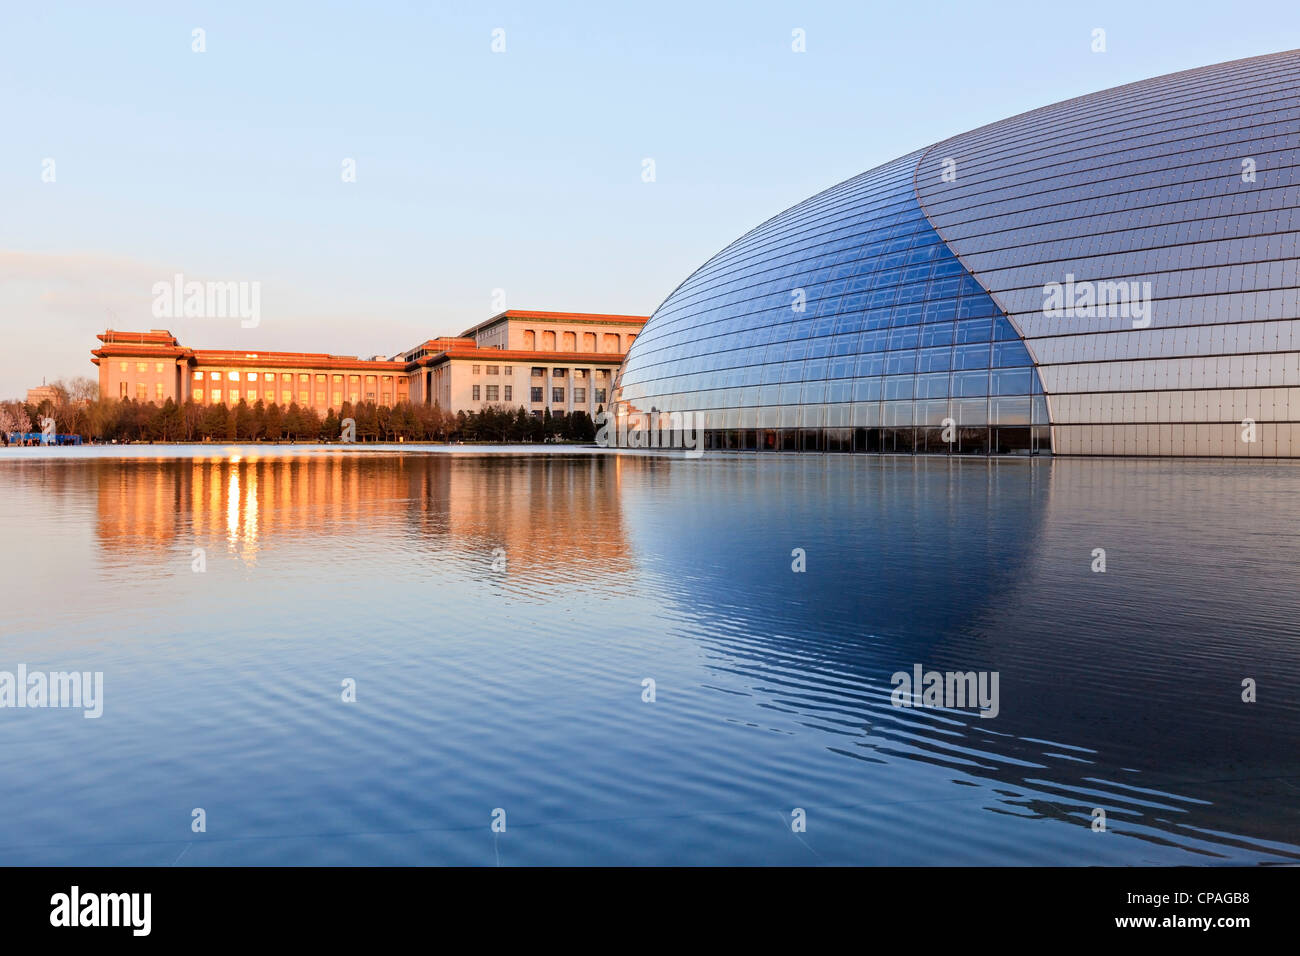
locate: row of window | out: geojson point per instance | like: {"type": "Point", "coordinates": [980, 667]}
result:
{"type": "Point", "coordinates": [141, 391]}
{"type": "Point", "coordinates": [142, 367]}
{"type": "Point", "coordinates": [537, 393]}
{"type": "Point", "coordinates": [234, 396]}
{"type": "Point", "coordinates": [537, 371]}
{"type": "Point", "coordinates": [233, 376]}
{"type": "Point", "coordinates": [568, 341]}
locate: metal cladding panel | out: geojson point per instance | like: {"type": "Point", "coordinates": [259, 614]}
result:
{"type": "Point", "coordinates": [1167, 212]}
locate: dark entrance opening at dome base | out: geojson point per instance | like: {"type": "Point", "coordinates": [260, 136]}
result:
{"type": "Point", "coordinates": [1019, 440]}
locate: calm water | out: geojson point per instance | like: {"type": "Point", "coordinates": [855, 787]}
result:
{"type": "Point", "coordinates": [482, 686]}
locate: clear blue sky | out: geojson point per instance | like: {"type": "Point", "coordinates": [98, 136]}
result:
{"type": "Point", "coordinates": [475, 170]}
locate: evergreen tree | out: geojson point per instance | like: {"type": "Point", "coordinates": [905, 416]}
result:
{"type": "Point", "coordinates": [215, 421]}
{"type": "Point", "coordinates": [243, 422]}
{"type": "Point", "coordinates": [331, 429]}
{"type": "Point", "coordinates": [274, 424]}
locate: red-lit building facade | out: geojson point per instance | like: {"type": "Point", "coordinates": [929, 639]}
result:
{"type": "Point", "coordinates": [557, 361]}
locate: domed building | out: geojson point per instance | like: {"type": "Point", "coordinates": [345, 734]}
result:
{"type": "Point", "coordinates": [1116, 274]}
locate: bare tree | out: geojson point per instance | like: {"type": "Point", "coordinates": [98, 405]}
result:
{"type": "Point", "coordinates": [60, 394]}
{"type": "Point", "coordinates": [80, 389]}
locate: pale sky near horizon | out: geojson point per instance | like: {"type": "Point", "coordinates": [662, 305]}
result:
{"type": "Point", "coordinates": [475, 170]}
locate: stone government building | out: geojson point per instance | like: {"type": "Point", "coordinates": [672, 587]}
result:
{"type": "Point", "coordinates": [563, 362]}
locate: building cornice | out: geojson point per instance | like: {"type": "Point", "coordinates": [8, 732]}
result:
{"type": "Point", "coordinates": [557, 318]}
{"type": "Point", "coordinates": [520, 355]}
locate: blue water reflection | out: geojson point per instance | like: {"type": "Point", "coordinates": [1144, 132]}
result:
{"type": "Point", "coordinates": [500, 614]}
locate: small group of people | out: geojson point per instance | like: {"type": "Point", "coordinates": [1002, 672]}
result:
{"type": "Point", "coordinates": [37, 438]}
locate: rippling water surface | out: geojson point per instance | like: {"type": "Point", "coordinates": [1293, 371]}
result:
{"type": "Point", "coordinates": [499, 615]}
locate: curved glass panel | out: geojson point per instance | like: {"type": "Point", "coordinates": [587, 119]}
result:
{"type": "Point", "coordinates": [842, 324]}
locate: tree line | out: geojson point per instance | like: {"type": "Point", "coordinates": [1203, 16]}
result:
{"type": "Point", "coordinates": [127, 420]}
